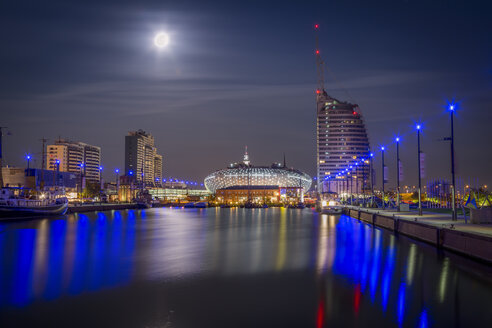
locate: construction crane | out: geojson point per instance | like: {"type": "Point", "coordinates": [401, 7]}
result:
{"type": "Point", "coordinates": [319, 63]}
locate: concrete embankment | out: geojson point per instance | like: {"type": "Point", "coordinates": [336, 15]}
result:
{"type": "Point", "coordinates": [438, 231]}
{"type": "Point", "coordinates": [100, 207]}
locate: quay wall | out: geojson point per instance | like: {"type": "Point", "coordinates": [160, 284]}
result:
{"type": "Point", "coordinates": [465, 243]}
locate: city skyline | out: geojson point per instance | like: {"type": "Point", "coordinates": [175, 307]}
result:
{"type": "Point", "coordinates": [203, 100]}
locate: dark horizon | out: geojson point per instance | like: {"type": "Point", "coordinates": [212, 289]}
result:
{"type": "Point", "coordinates": [244, 74]}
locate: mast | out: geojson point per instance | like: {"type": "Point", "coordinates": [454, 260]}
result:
{"type": "Point", "coordinates": [43, 158]}
{"type": "Point", "coordinates": [1, 176]}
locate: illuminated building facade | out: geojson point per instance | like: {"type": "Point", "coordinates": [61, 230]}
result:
{"type": "Point", "coordinates": [244, 174]}
{"type": "Point", "coordinates": [71, 155]}
{"type": "Point", "coordinates": [341, 140]}
{"type": "Point", "coordinates": [141, 158]}
{"type": "Point", "coordinates": [240, 194]}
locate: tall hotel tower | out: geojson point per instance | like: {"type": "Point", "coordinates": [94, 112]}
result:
{"type": "Point", "coordinates": [341, 141]}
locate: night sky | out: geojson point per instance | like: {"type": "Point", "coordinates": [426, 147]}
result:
{"type": "Point", "coordinates": [243, 73]}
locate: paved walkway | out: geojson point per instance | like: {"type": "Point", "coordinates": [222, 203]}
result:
{"type": "Point", "coordinates": [436, 219]}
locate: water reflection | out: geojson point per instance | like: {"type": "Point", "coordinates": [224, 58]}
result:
{"type": "Point", "coordinates": [360, 274]}
{"type": "Point", "coordinates": [46, 259]}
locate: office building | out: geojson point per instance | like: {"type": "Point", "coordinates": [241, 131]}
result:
{"type": "Point", "coordinates": [141, 158]}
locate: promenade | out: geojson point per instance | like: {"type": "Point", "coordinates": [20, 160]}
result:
{"type": "Point", "coordinates": [474, 240]}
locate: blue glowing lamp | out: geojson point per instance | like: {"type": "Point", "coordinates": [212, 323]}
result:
{"type": "Point", "coordinates": [57, 161]}
{"type": "Point", "coordinates": [397, 139]}
{"type": "Point", "coordinates": [382, 148]}
{"type": "Point", "coordinates": [418, 127]}
{"type": "Point", "coordinates": [100, 168]}
{"type": "Point", "coordinates": [28, 157]}
{"type": "Point", "coordinates": [117, 171]}
{"type": "Point", "coordinates": [130, 172]}
{"type": "Point", "coordinates": [372, 155]}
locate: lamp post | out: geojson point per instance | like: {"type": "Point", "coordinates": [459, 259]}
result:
{"type": "Point", "coordinates": [418, 159]}
{"type": "Point", "coordinates": [351, 183]}
{"type": "Point", "coordinates": [453, 189]}
{"type": "Point", "coordinates": [101, 178]}
{"type": "Point", "coordinates": [371, 155]}
{"type": "Point", "coordinates": [382, 172]}
{"type": "Point", "coordinates": [28, 159]}
{"type": "Point", "coordinates": [57, 162]}
{"type": "Point", "coordinates": [397, 173]}
{"type": "Point", "coordinates": [364, 182]}
{"type": "Point", "coordinates": [357, 182]}
{"type": "Point", "coordinates": [81, 178]}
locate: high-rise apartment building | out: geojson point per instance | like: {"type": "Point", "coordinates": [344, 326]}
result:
{"type": "Point", "coordinates": [341, 141]}
{"type": "Point", "coordinates": [158, 168]}
{"type": "Point", "coordinates": [141, 158]}
{"type": "Point", "coordinates": [76, 157]}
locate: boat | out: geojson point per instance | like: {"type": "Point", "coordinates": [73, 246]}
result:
{"type": "Point", "coordinates": [330, 206]}
{"type": "Point", "coordinates": [200, 205]}
{"type": "Point", "coordinates": [189, 205]}
{"type": "Point", "coordinates": [331, 210]}
{"type": "Point", "coordinates": [143, 204]}
{"type": "Point", "coordinates": [46, 204]}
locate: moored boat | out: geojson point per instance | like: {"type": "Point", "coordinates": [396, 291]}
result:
{"type": "Point", "coordinates": [13, 206]}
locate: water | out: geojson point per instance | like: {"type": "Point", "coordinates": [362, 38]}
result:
{"type": "Point", "coordinates": [231, 268]}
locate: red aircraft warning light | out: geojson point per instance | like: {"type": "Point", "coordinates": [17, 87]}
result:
{"type": "Point", "coordinates": [317, 52]}
{"type": "Point", "coordinates": [316, 26]}
{"type": "Point", "coordinates": [317, 91]}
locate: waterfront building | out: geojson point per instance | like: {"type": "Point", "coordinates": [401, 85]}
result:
{"type": "Point", "coordinates": [74, 157]}
{"type": "Point", "coordinates": [341, 140]}
{"type": "Point", "coordinates": [236, 195]}
{"type": "Point", "coordinates": [20, 177]}
{"type": "Point", "coordinates": [243, 177]}
{"type": "Point", "coordinates": [141, 158]}
{"type": "Point", "coordinates": [158, 168]}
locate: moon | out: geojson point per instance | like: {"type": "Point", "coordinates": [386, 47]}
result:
{"type": "Point", "coordinates": [161, 40]}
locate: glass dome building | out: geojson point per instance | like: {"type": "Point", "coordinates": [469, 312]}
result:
{"type": "Point", "coordinates": [244, 174]}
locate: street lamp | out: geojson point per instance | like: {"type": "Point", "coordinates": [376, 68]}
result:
{"type": "Point", "coordinates": [100, 178]}
{"type": "Point", "coordinates": [81, 178]}
{"type": "Point", "coordinates": [382, 169]}
{"type": "Point", "coordinates": [418, 127]}
{"type": "Point", "coordinates": [452, 108]}
{"type": "Point", "coordinates": [28, 159]}
{"type": "Point", "coordinates": [117, 173]}
{"type": "Point", "coordinates": [57, 162]}
{"type": "Point", "coordinates": [397, 139]}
